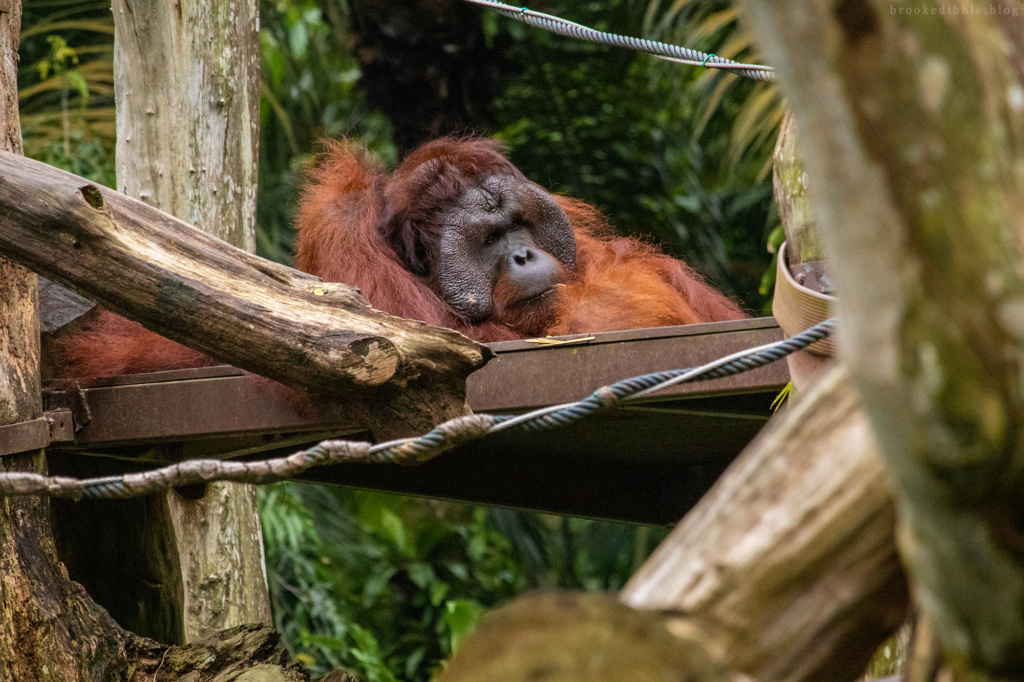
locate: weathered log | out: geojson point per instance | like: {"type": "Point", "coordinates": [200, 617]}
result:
{"type": "Point", "coordinates": [911, 129]}
{"type": "Point", "coordinates": [570, 637]}
{"type": "Point", "coordinates": [254, 314]}
{"type": "Point", "coordinates": [787, 569]}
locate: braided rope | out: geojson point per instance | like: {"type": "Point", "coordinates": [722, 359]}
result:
{"type": "Point", "coordinates": [672, 53]}
{"type": "Point", "coordinates": [406, 450]}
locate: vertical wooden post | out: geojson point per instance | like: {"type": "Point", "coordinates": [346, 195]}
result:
{"type": "Point", "coordinates": [20, 397]}
{"type": "Point", "coordinates": [45, 619]}
{"type": "Point", "coordinates": [790, 185]}
{"type": "Point", "coordinates": [21, 601]}
{"type": "Point", "coordinates": [187, 89]}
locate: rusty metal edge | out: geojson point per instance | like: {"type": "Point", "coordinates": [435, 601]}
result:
{"type": "Point", "coordinates": [248, 411]}
{"type": "Point", "coordinates": [599, 338]}
{"type": "Point", "coordinates": [35, 434]}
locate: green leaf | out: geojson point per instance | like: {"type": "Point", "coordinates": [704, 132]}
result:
{"type": "Point", "coordinates": [459, 570]}
{"type": "Point", "coordinates": [394, 530]}
{"type": "Point", "coordinates": [438, 591]}
{"type": "Point", "coordinates": [461, 616]}
{"type": "Point", "coordinates": [375, 584]}
{"type": "Point", "coordinates": [78, 83]}
{"type": "Point", "coordinates": [412, 663]}
{"type": "Point", "coordinates": [298, 39]}
{"type": "Point", "coordinates": [421, 574]}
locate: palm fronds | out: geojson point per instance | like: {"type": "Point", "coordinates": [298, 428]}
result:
{"type": "Point", "coordinates": [755, 108]}
{"type": "Point", "coordinates": [66, 85]}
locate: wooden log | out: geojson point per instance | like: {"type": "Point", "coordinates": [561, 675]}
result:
{"type": "Point", "coordinates": [787, 569]}
{"type": "Point", "coordinates": [570, 637]}
{"type": "Point", "coordinates": [323, 338]}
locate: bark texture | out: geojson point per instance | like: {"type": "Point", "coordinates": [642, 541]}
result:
{"type": "Point", "coordinates": [187, 83]}
{"type": "Point", "coordinates": [790, 185]}
{"type": "Point", "coordinates": [50, 630]}
{"type": "Point", "coordinates": [912, 122]}
{"type": "Point", "coordinates": [787, 569]}
{"type": "Point", "coordinates": [19, 323]}
{"type": "Point", "coordinates": [569, 637]}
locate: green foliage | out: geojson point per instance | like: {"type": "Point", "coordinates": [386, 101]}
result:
{"type": "Point", "coordinates": [715, 27]}
{"type": "Point", "coordinates": [387, 586]}
{"type": "Point", "coordinates": [89, 158]}
{"type": "Point", "coordinates": [65, 86]}
{"type": "Point", "coordinates": [379, 584]}
{"type": "Point", "coordinates": [309, 92]}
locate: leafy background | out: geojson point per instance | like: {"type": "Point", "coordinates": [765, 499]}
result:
{"type": "Point", "coordinates": [383, 585]}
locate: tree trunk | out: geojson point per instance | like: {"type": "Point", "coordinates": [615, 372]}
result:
{"type": "Point", "coordinates": [913, 132]}
{"type": "Point", "coordinates": [187, 85]}
{"type": "Point", "coordinates": [792, 197]}
{"type": "Point", "coordinates": [787, 568]}
{"type": "Point", "coordinates": [50, 630]}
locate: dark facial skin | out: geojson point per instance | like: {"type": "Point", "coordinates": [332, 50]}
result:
{"type": "Point", "coordinates": [507, 233]}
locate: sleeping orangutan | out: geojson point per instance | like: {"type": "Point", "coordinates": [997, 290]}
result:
{"type": "Point", "coordinates": [456, 237]}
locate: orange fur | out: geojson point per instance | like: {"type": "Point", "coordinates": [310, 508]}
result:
{"type": "Point", "coordinates": [111, 345]}
{"type": "Point", "coordinates": [624, 283]}
{"type": "Point", "coordinates": [352, 219]}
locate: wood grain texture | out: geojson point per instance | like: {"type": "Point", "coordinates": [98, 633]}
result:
{"type": "Point", "coordinates": [186, 84]}
{"type": "Point", "coordinates": [787, 569]}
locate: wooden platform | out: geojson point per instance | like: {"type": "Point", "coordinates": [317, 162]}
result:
{"type": "Point", "coordinates": [649, 462]}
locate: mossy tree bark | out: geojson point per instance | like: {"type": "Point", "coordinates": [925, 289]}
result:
{"type": "Point", "coordinates": [912, 127]}
{"type": "Point", "coordinates": [790, 185]}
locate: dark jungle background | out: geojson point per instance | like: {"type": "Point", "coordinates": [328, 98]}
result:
{"type": "Point", "coordinates": [382, 585]}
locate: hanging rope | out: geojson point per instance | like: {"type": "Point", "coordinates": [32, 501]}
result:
{"type": "Point", "coordinates": [405, 450]}
{"type": "Point", "coordinates": [672, 53]}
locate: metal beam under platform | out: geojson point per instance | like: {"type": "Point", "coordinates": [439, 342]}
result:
{"type": "Point", "coordinates": [648, 462]}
